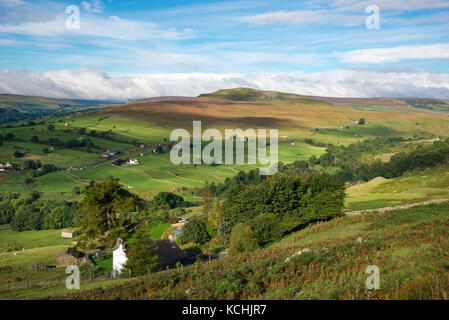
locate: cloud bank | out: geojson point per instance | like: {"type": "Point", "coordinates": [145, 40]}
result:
{"type": "Point", "coordinates": [91, 83]}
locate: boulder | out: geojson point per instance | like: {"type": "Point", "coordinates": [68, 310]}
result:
{"type": "Point", "coordinates": [6, 269]}
{"type": "Point", "coordinates": [71, 256]}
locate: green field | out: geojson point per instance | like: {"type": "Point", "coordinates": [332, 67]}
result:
{"type": "Point", "coordinates": [414, 187]}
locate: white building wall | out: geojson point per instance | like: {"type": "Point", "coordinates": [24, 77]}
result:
{"type": "Point", "coordinates": [118, 260]}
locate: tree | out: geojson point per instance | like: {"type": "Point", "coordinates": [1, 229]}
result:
{"type": "Point", "coordinates": [51, 127]}
{"type": "Point", "coordinates": [168, 200]}
{"type": "Point", "coordinates": [362, 121]}
{"type": "Point", "coordinates": [159, 149]}
{"type": "Point", "coordinates": [207, 199]}
{"type": "Point", "coordinates": [18, 154]}
{"type": "Point", "coordinates": [102, 210]}
{"type": "Point", "coordinates": [9, 136]}
{"type": "Point", "coordinates": [196, 231]}
{"type": "Point", "coordinates": [34, 139]}
{"type": "Point", "coordinates": [141, 255]}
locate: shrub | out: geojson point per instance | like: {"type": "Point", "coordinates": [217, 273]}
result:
{"type": "Point", "coordinates": [11, 246]}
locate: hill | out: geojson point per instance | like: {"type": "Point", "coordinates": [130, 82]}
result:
{"type": "Point", "coordinates": [293, 115]}
{"type": "Point", "coordinates": [149, 122]}
{"type": "Point", "coordinates": [15, 108]}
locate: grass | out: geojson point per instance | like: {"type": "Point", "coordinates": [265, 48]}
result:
{"type": "Point", "coordinates": [157, 227]}
{"type": "Point", "coordinates": [32, 239]}
{"type": "Point", "coordinates": [105, 263]}
{"type": "Point", "coordinates": [46, 255]}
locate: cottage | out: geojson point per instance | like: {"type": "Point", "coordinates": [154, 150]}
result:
{"type": "Point", "coordinates": [133, 162]}
{"type": "Point", "coordinates": [168, 252]}
{"type": "Point", "coordinates": [68, 234]}
{"type": "Point", "coordinates": [119, 258]}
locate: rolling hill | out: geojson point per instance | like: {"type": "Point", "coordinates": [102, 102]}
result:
{"type": "Point", "coordinates": [15, 108]}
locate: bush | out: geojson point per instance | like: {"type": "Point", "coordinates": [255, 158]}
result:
{"type": "Point", "coordinates": [18, 154]}
{"type": "Point", "coordinates": [243, 238]}
{"type": "Point", "coordinates": [12, 246]}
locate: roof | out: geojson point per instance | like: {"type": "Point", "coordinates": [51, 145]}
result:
{"type": "Point", "coordinates": [170, 253]}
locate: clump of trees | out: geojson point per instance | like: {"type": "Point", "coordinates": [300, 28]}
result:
{"type": "Point", "coordinates": [32, 213]}
{"type": "Point", "coordinates": [257, 211]}
{"type": "Point", "coordinates": [168, 200]}
{"type": "Point", "coordinates": [279, 205]}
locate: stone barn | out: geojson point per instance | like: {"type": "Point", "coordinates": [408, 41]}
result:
{"type": "Point", "coordinates": [68, 233]}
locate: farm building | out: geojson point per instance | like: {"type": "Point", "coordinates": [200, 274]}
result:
{"type": "Point", "coordinates": [110, 153]}
{"type": "Point", "coordinates": [68, 234]}
{"type": "Point", "coordinates": [76, 168]}
{"type": "Point", "coordinates": [3, 168]}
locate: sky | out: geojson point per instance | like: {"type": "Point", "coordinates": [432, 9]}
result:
{"type": "Point", "coordinates": [136, 49]}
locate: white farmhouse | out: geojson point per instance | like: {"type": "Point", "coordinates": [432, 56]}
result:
{"type": "Point", "coordinates": [119, 258]}
{"type": "Point", "coordinates": [133, 162]}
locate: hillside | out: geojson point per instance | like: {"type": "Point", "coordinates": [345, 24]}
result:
{"type": "Point", "coordinates": [409, 247]}
{"type": "Point", "coordinates": [15, 108]}
{"type": "Point", "coordinates": [293, 115]}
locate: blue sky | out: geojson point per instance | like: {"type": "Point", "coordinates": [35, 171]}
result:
{"type": "Point", "coordinates": [311, 47]}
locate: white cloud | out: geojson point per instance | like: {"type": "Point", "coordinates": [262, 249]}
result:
{"type": "Point", "coordinates": [111, 27]}
{"type": "Point", "coordinates": [391, 5]}
{"type": "Point", "coordinates": [94, 6]}
{"type": "Point", "coordinates": [304, 17]}
{"type": "Point", "coordinates": [348, 13]}
{"type": "Point", "coordinates": [88, 83]}
{"type": "Point", "coordinates": [395, 54]}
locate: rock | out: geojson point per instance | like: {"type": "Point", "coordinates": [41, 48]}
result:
{"type": "Point", "coordinates": [325, 250]}
{"type": "Point", "coordinates": [37, 266]}
{"type": "Point", "coordinates": [298, 253]}
{"type": "Point", "coordinates": [71, 256]}
{"type": "Point", "coordinates": [6, 269]}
